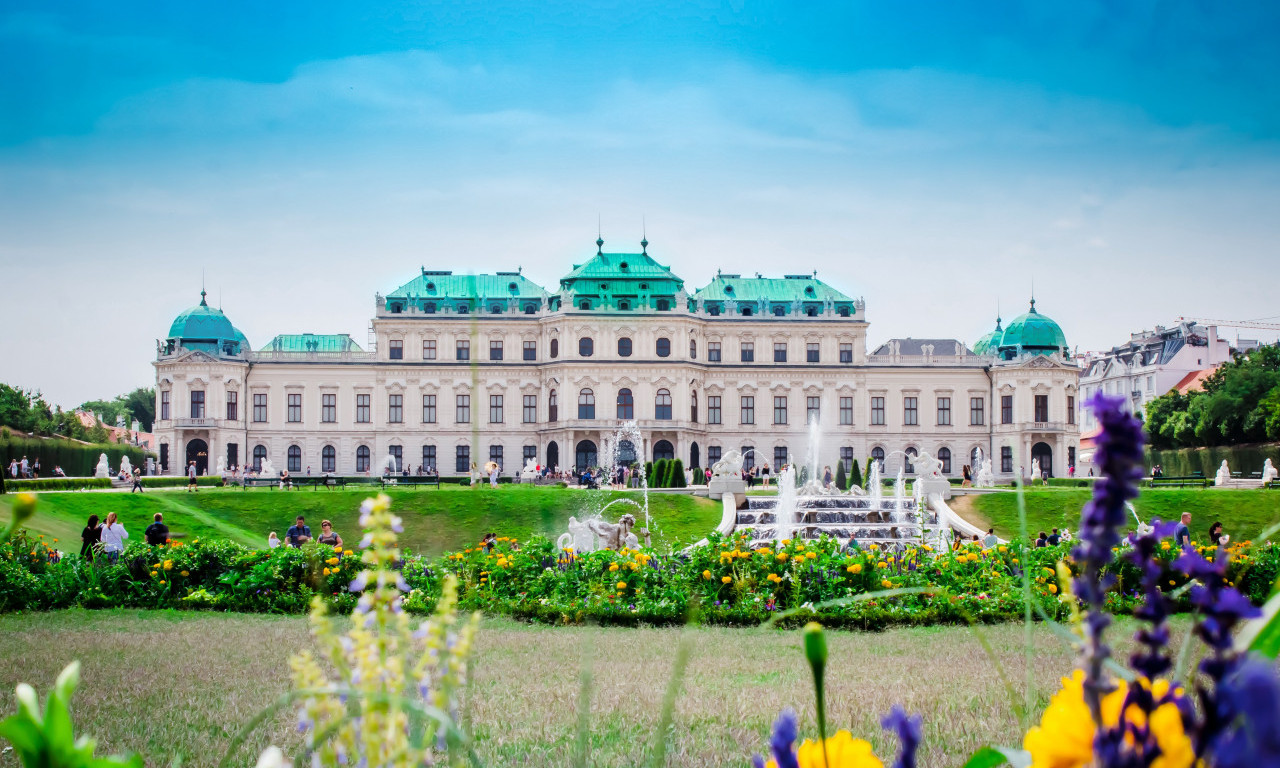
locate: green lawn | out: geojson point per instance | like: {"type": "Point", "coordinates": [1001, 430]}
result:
{"type": "Point", "coordinates": [1243, 513]}
{"type": "Point", "coordinates": [166, 683]}
{"type": "Point", "coordinates": [436, 521]}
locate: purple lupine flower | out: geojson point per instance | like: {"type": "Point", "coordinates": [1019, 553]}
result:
{"type": "Point", "coordinates": [359, 582]}
{"type": "Point", "coordinates": [782, 742]}
{"type": "Point", "coordinates": [1151, 658]}
{"type": "Point", "coordinates": [908, 729]}
{"type": "Point", "coordinates": [1253, 693]}
{"type": "Point", "coordinates": [1119, 455]}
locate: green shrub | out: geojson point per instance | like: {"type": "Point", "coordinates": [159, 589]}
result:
{"type": "Point", "coordinates": [76, 459]}
{"type": "Point", "coordinates": [842, 482]}
{"type": "Point", "coordinates": [855, 476]}
{"type": "Point", "coordinates": [677, 474]}
{"type": "Point", "coordinates": [58, 484]}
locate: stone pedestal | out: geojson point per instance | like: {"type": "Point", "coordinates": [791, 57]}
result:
{"type": "Point", "coordinates": [726, 484]}
{"type": "Point", "coordinates": [939, 486]}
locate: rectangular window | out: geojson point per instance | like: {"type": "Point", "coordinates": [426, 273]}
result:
{"type": "Point", "coordinates": [877, 411]}
{"type": "Point", "coordinates": [329, 408]}
{"type": "Point", "coordinates": [713, 351]}
{"type": "Point", "coordinates": [812, 409]}
{"type": "Point", "coordinates": [428, 458]}
{"type": "Point", "coordinates": [713, 409]}
{"type": "Point", "coordinates": [1071, 409]}
{"type": "Point", "coordinates": [846, 353]}
{"type": "Point", "coordinates": [1042, 408]}
{"type": "Point", "coordinates": [395, 409]}
{"type": "Point", "coordinates": [463, 349]}
{"type": "Point", "coordinates": [530, 409]}
{"type": "Point", "coordinates": [780, 409]}
{"type": "Point", "coordinates": [362, 409]}
{"type": "Point", "coordinates": [530, 454]}
{"type": "Point", "coordinates": [713, 455]}
{"type": "Point", "coordinates": [495, 350]}
{"type": "Point", "coordinates": [748, 351]}
{"type": "Point", "coordinates": [462, 409]}
{"type": "Point", "coordinates": [233, 406]}
{"type": "Point", "coordinates": [397, 452]}
{"type": "Point", "coordinates": [396, 349]}
{"type": "Point", "coordinates": [846, 411]}
{"type": "Point", "coordinates": [233, 454]}
{"type": "Point", "coordinates": [197, 404]}
{"type": "Point", "coordinates": [294, 413]}
{"type": "Point", "coordinates": [164, 405]}
{"type": "Point", "coordinates": [462, 460]}
{"type": "Point", "coordinates": [944, 411]}
{"type": "Point", "coordinates": [846, 458]}
{"type": "Point", "coordinates": [428, 409]}
{"type": "Point", "coordinates": [910, 414]}
{"type": "Point", "coordinates": [780, 352]}
{"type": "Point", "coordinates": [693, 349]}
{"type": "Point", "coordinates": [779, 457]}
{"type": "Point", "coordinates": [811, 352]}
{"type": "Point", "coordinates": [495, 455]}
{"type": "Point", "coordinates": [1006, 409]}
{"type": "Point", "coordinates": [976, 416]}
{"type": "Point", "coordinates": [428, 349]}
{"type": "Point", "coordinates": [531, 350]}
{"type": "Point", "coordinates": [1006, 459]}
{"type": "Point", "coordinates": [748, 409]}
{"type": "Point", "coordinates": [495, 409]}
{"type": "Point", "coordinates": [260, 408]}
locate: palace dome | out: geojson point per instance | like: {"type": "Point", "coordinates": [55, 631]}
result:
{"type": "Point", "coordinates": [988, 343]}
{"type": "Point", "coordinates": [203, 327]}
{"type": "Point", "coordinates": [1032, 333]}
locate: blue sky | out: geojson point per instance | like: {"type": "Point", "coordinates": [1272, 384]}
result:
{"type": "Point", "coordinates": [935, 158]}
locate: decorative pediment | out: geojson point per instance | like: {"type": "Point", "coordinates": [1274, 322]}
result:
{"type": "Point", "coordinates": [587, 381]}
{"type": "Point", "coordinates": [663, 381]}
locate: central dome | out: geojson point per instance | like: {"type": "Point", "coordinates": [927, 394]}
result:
{"type": "Point", "coordinates": [206, 328]}
{"type": "Point", "coordinates": [1032, 333]}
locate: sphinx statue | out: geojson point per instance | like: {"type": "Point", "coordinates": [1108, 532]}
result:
{"type": "Point", "coordinates": [103, 469]}
{"type": "Point", "coordinates": [1224, 474]}
{"type": "Point", "coordinates": [1269, 472]}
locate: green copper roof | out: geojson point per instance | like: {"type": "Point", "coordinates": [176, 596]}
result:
{"type": "Point", "coordinates": [312, 342]}
{"type": "Point", "coordinates": [1032, 333]}
{"type": "Point", "coordinates": [621, 266]}
{"type": "Point", "coordinates": [785, 289]}
{"type": "Point", "coordinates": [621, 282]}
{"type": "Point", "coordinates": [441, 285]}
{"type": "Point", "coordinates": [206, 328]}
{"type": "Point", "coordinates": [988, 343]}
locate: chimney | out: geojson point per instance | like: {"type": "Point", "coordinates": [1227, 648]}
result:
{"type": "Point", "coordinates": [1216, 354]}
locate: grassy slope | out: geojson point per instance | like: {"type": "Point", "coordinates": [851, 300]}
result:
{"type": "Point", "coordinates": [435, 520]}
{"type": "Point", "coordinates": [167, 683]}
{"type": "Point", "coordinates": [1243, 513]}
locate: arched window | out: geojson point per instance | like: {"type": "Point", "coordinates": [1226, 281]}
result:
{"type": "Point", "coordinates": [695, 456]}
{"type": "Point", "coordinates": [328, 459]}
{"type": "Point", "coordinates": [295, 459]}
{"type": "Point", "coordinates": [624, 347]}
{"type": "Point", "coordinates": [259, 456]}
{"type": "Point", "coordinates": [586, 404]}
{"type": "Point", "coordinates": [664, 347]}
{"type": "Point", "coordinates": [530, 309]}
{"type": "Point", "coordinates": [662, 405]}
{"type": "Point", "coordinates": [555, 347]}
{"type": "Point", "coordinates": [877, 455]}
{"type": "Point", "coordinates": [944, 456]}
{"type": "Point", "coordinates": [586, 346]}
{"type": "Point", "coordinates": [429, 307]}
{"type": "Point", "coordinates": [664, 305]}
{"type": "Point", "coordinates": [585, 455]}
{"type": "Point", "coordinates": [626, 405]}
{"type": "Point", "coordinates": [495, 309]}
{"type": "Point", "coordinates": [624, 305]}
{"type": "Point", "coordinates": [779, 310]}
{"type": "Point", "coordinates": [746, 311]}
{"type": "Point", "coordinates": [907, 461]}
{"type": "Point", "coordinates": [553, 405]}
{"type": "Point", "coordinates": [584, 304]}
{"type": "Point", "coordinates": [663, 450]}
{"type": "Point", "coordinates": [693, 412]}
{"type": "Point", "coordinates": [362, 459]}
{"type": "Point", "coordinates": [553, 456]}
{"type": "Point", "coordinates": [844, 311]}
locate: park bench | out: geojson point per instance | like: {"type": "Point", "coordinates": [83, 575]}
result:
{"type": "Point", "coordinates": [414, 480]}
{"type": "Point", "coordinates": [259, 482]}
{"type": "Point", "coordinates": [1185, 481]}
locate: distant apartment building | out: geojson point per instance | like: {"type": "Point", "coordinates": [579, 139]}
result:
{"type": "Point", "coordinates": [1150, 364]}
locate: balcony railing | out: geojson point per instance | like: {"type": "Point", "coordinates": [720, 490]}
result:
{"type": "Point", "coordinates": [194, 422]}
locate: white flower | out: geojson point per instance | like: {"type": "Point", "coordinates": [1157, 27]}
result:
{"type": "Point", "coordinates": [272, 757]}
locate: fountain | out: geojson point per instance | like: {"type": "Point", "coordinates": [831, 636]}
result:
{"type": "Point", "coordinates": [389, 465]}
{"type": "Point", "coordinates": [103, 469]}
{"type": "Point", "coordinates": [983, 476]}
{"type": "Point", "coordinates": [874, 487]}
{"type": "Point", "coordinates": [899, 491]}
{"type": "Point", "coordinates": [585, 535]}
{"type": "Point", "coordinates": [784, 515]}
{"type": "Point", "coordinates": [627, 438]}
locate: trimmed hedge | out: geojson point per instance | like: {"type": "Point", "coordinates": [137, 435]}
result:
{"type": "Point", "coordinates": [76, 459]}
{"type": "Point", "coordinates": [56, 484]}
{"type": "Point", "coordinates": [1182, 462]}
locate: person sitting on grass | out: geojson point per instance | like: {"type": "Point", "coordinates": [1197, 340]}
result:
{"type": "Point", "coordinates": [990, 540]}
{"type": "Point", "coordinates": [299, 533]}
{"type": "Point", "coordinates": [157, 533]}
{"type": "Point", "coordinates": [1054, 538]}
{"type": "Point", "coordinates": [90, 538]}
{"type": "Point", "coordinates": [327, 536]}
{"type": "Point", "coordinates": [113, 536]}
{"type": "Point", "coordinates": [1043, 541]}
{"type": "Point", "coordinates": [273, 540]}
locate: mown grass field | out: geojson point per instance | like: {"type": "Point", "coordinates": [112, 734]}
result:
{"type": "Point", "coordinates": [436, 520]}
{"type": "Point", "coordinates": [1243, 513]}
{"type": "Point", "coordinates": [167, 683]}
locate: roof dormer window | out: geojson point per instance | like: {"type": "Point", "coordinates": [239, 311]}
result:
{"type": "Point", "coordinates": [512, 287]}
{"type": "Point", "coordinates": [431, 287]}
{"type": "Point", "coordinates": [808, 291]}
{"type": "Point", "coordinates": [728, 289]}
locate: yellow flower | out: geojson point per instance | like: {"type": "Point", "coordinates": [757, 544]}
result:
{"type": "Point", "coordinates": [1064, 737]}
{"type": "Point", "coordinates": [332, 561]}
{"type": "Point", "coordinates": [168, 565]}
{"type": "Point", "coordinates": [886, 583]}
{"type": "Point", "coordinates": [162, 581]}
{"type": "Point", "coordinates": [326, 571]}
{"type": "Point", "coordinates": [811, 555]}
{"type": "Point", "coordinates": [782, 557]}
{"type": "Point", "coordinates": [1053, 589]}
{"type": "Point", "coordinates": [1164, 545]}
{"type": "Point", "coordinates": [153, 573]}
{"type": "Point", "coordinates": [706, 575]}
{"type": "Point", "coordinates": [726, 579]}
{"type": "Point", "coordinates": [622, 585]}
{"type": "Point", "coordinates": [349, 553]}
{"type": "Point", "coordinates": [185, 574]}
{"type": "Point", "coordinates": [1002, 548]}
{"type": "Point", "coordinates": [613, 567]}
{"type": "Point", "coordinates": [855, 568]}
{"type": "Point", "coordinates": [842, 750]}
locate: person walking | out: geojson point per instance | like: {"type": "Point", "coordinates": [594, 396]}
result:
{"type": "Point", "coordinates": [764, 474]}
{"type": "Point", "coordinates": [157, 534]}
{"type": "Point", "coordinates": [273, 540]}
{"type": "Point", "coordinates": [13, 469]}
{"type": "Point", "coordinates": [968, 477]}
{"type": "Point", "coordinates": [113, 536]}
{"type": "Point", "coordinates": [137, 481]}
{"type": "Point", "coordinates": [90, 538]}
{"type": "Point", "coordinates": [26, 468]}
{"type": "Point", "coordinates": [1182, 535]}
{"type": "Point", "coordinates": [826, 477]}
{"type": "Point", "coordinates": [35, 468]}
{"type": "Point", "coordinates": [191, 477]}
{"type": "Point", "coordinates": [1216, 535]}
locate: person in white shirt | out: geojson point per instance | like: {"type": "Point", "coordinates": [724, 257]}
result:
{"type": "Point", "coordinates": [990, 539]}
{"type": "Point", "coordinates": [273, 540]}
{"type": "Point", "coordinates": [113, 536]}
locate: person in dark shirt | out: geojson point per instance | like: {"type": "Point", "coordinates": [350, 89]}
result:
{"type": "Point", "coordinates": [1182, 536]}
{"type": "Point", "coordinates": [157, 533]}
{"type": "Point", "coordinates": [1043, 541]}
{"type": "Point", "coordinates": [1054, 538]}
{"type": "Point", "coordinates": [298, 533]}
{"type": "Point", "coordinates": [89, 538]}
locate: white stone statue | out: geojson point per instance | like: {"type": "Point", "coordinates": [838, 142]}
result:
{"type": "Point", "coordinates": [985, 478]}
{"type": "Point", "coordinates": [1269, 471]}
{"type": "Point", "coordinates": [579, 538]}
{"type": "Point", "coordinates": [1035, 469]}
{"type": "Point", "coordinates": [530, 471]}
{"type": "Point", "coordinates": [730, 464]}
{"type": "Point", "coordinates": [1224, 474]}
{"type": "Point", "coordinates": [103, 469]}
{"type": "Point", "coordinates": [268, 469]}
{"type": "Point", "coordinates": [222, 466]}
{"type": "Point", "coordinates": [927, 467]}
{"type": "Point", "coordinates": [125, 467]}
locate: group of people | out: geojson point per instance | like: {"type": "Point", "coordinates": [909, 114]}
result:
{"type": "Point", "coordinates": [300, 533]}
{"type": "Point", "coordinates": [108, 538]}
{"type": "Point", "coordinates": [25, 470]}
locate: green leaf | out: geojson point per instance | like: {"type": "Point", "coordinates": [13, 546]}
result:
{"type": "Point", "coordinates": [29, 703]}
{"type": "Point", "coordinates": [67, 681]}
{"type": "Point", "coordinates": [24, 735]}
{"type": "Point", "coordinates": [987, 757]}
{"type": "Point", "coordinates": [1262, 635]}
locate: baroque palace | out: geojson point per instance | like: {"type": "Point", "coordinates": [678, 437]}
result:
{"type": "Point", "coordinates": [471, 368]}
